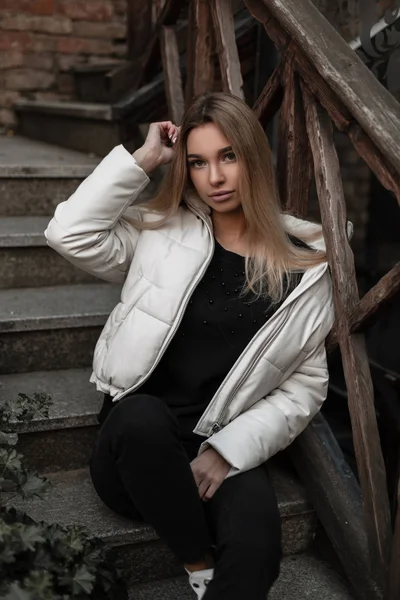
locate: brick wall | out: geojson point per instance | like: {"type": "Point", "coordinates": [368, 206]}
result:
{"type": "Point", "coordinates": [40, 40]}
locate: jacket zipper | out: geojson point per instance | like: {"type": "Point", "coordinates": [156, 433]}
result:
{"type": "Point", "coordinates": [218, 423]}
{"type": "Point", "coordinates": [217, 426]}
{"type": "Point", "coordinates": [181, 313]}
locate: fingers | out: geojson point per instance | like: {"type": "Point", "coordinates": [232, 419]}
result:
{"type": "Point", "coordinates": [168, 131]}
{"type": "Point", "coordinates": [211, 491]}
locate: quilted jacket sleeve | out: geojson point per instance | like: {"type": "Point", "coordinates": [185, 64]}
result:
{"type": "Point", "coordinates": [273, 422]}
{"type": "Point", "coordinates": [89, 229]}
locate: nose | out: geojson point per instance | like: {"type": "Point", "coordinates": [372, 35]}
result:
{"type": "Point", "coordinates": [216, 174]}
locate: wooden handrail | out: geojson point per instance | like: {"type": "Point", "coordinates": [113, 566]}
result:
{"type": "Point", "coordinates": [374, 107]}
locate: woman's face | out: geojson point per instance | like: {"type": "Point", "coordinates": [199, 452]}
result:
{"type": "Point", "coordinates": [213, 168]}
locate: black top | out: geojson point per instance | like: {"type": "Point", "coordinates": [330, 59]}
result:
{"type": "Point", "coordinates": [215, 329]}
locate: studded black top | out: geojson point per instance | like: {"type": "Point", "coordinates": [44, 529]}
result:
{"type": "Point", "coordinates": [216, 327]}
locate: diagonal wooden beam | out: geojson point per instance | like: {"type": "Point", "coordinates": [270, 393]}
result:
{"type": "Point", "coordinates": [270, 99]}
{"type": "Point", "coordinates": [294, 164]}
{"type": "Point", "coordinates": [370, 304]}
{"type": "Point", "coordinates": [200, 50]}
{"type": "Point", "coordinates": [386, 288]}
{"type": "Point", "coordinates": [224, 31]}
{"type": "Point", "coordinates": [172, 74]}
{"type": "Point", "coordinates": [340, 114]}
{"type": "Point", "coordinates": [368, 452]}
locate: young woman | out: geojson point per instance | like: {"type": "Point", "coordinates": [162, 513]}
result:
{"type": "Point", "coordinates": [214, 359]}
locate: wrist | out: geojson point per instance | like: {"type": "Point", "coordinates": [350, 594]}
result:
{"type": "Point", "coordinates": [146, 159]}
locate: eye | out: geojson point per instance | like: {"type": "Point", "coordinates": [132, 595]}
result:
{"type": "Point", "coordinates": [229, 156]}
{"type": "Point", "coordinates": [196, 164]}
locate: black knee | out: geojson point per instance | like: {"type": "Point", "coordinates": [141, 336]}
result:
{"type": "Point", "coordinates": [141, 418]}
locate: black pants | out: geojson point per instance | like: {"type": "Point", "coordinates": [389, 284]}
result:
{"type": "Point", "coordinates": [140, 468]}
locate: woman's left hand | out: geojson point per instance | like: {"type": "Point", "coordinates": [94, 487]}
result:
{"type": "Point", "coordinates": [209, 470]}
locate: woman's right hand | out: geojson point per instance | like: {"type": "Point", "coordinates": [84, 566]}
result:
{"type": "Point", "coordinates": [155, 150]}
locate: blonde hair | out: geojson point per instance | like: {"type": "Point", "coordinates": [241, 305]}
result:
{"type": "Point", "coordinates": [273, 256]}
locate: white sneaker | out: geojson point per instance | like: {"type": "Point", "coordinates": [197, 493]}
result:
{"type": "Point", "coordinates": [199, 580]}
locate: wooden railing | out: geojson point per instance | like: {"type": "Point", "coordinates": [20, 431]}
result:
{"type": "Point", "coordinates": [320, 81]}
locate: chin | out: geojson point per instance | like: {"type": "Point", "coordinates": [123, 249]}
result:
{"type": "Point", "coordinates": [224, 207]}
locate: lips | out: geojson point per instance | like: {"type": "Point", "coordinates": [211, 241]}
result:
{"type": "Point", "coordinates": [221, 195]}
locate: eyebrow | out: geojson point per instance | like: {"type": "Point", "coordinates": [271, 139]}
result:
{"type": "Point", "coordinates": [221, 151]}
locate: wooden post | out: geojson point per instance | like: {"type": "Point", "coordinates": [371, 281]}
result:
{"type": "Point", "coordinates": [336, 496]}
{"type": "Point", "coordinates": [394, 572]}
{"type": "Point", "coordinates": [226, 46]}
{"type": "Point", "coordinates": [368, 452]}
{"type": "Point", "coordinates": [200, 50]}
{"type": "Point", "coordinates": [172, 74]}
{"type": "Point", "coordinates": [294, 165]}
{"type": "Point", "coordinates": [139, 26]}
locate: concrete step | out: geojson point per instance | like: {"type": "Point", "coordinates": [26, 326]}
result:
{"type": "Point", "coordinates": [35, 176]}
{"type": "Point", "coordinates": [27, 261]}
{"type": "Point", "coordinates": [72, 500]}
{"type": "Point", "coordinates": [80, 126]}
{"type": "Point", "coordinates": [302, 576]}
{"type": "Point", "coordinates": [64, 440]}
{"type": "Point", "coordinates": [52, 327]}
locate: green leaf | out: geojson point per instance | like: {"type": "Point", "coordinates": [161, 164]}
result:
{"type": "Point", "coordinates": [80, 581]}
{"type": "Point", "coordinates": [10, 460]}
{"type": "Point", "coordinates": [40, 583]}
{"type": "Point", "coordinates": [31, 535]}
{"type": "Point", "coordinates": [24, 408]}
{"type": "Point", "coordinates": [34, 486]}
{"type": "Point", "coordinates": [8, 439]}
{"type": "Point", "coordinates": [16, 592]}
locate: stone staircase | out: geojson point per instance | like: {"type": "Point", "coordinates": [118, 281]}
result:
{"type": "Point", "coordinates": [50, 317]}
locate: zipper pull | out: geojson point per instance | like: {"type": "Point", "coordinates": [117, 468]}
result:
{"type": "Point", "coordinates": [215, 428]}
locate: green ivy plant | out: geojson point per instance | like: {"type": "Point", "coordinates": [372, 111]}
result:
{"type": "Point", "coordinates": [39, 561]}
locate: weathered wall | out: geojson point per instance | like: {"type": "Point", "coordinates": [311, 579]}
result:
{"type": "Point", "coordinates": [41, 39]}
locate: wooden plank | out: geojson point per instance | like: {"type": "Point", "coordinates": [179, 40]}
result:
{"type": "Point", "coordinates": [139, 25]}
{"type": "Point", "coordinates": [370, 304]}
{"type": "Point", "coordinates": [374, 107]}
{"type": "Point", "coordinates": [336, 496]}
{"type": "Point", "coordinates": [294, 161]}
{"type": "Point", "coordinates": [172, 74]}
{"type": "Point", "coordinates": [368, 452]}
{"type": "Point", "coordinates": [224, 31]}
{"type": "Point", "coordinates": [151, 59]}
{"type": "Point", "coordinates": [200, 50]}
{"type": "Point", "coordinates": [270, 99]}
{"type": "Point", "coordinates": [394, 573]}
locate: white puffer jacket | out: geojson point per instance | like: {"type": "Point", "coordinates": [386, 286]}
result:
{"type": "Point", "coordinates": [280, 380]}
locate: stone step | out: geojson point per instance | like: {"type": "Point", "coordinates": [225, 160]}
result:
{"type": "Point", "coordinates": [82, 126]}
{"type": "Point", "coordinates": [35, 176]}
{"type": "Point", "coordinates": [303, 576]}
{"type": "Point", "coordinates": [52, 327]}
{"type": "Point", "coordinates": [65, 439]}
{"type": "Point", "coordinates": [72, 500]}
{"type": "Point", "coordinates": [27, 261]}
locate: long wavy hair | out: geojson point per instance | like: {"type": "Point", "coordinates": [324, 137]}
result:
{"type": "Point", "coordinates": [273, 257]}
